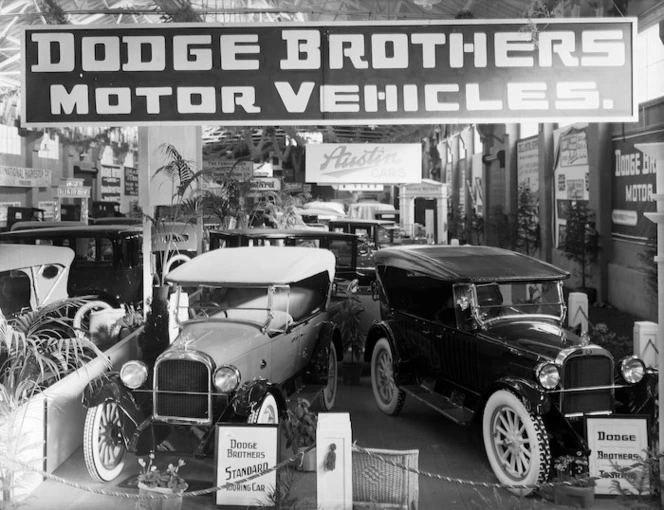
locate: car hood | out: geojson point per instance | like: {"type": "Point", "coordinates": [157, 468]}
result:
{"type": "Point", "coordinates": [223, 340]}
{"type": "Point", "coordinates": [538, 337]}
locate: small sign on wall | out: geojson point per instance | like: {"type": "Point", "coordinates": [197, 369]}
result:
{"type": "Point", "coordinates": [617, 443]}
{"type": "Point", "coordinates": [244, 451]}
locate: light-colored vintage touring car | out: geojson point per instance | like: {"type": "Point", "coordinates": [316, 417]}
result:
{"type": "Point", "coordinates": [257, 332]}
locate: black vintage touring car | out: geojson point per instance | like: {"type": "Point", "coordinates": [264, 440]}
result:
{"type": "Point", "coordinates": [477, 333]}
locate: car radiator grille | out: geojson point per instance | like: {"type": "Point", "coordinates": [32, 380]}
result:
{"type": "Point", "coordinates": [582, 371]}
{"type": "Point", "coordinates": [182, 389]}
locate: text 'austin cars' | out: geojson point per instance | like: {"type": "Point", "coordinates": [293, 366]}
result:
{"type": "Point", "coordinates": [257, 331]}
{"type": "Point", "coordinates": [477, 333]}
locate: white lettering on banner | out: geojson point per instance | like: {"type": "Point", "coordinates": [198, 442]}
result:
{"type": "Point", "coordinates": [324, 72]}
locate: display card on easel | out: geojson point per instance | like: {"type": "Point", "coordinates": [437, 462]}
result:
{"type": "Point", "coordinates": [243, 451]}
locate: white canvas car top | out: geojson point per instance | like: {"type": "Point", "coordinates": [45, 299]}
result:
{"type": "Point", "coordinates": [254, 266]}
{"type": "Point", "coordinates": [16, 256]}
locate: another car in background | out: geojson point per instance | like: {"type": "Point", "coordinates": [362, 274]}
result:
{"type": "Point", "coordinates": [108, 260]}
{"type": "Point", "coordinates": [344, 246]}
{"type": "Point", "coordinates": [477, 333]}
{"type": "Point", "coordinates": [32, 277]}
{"type": "Point", "coordinates": [373, 235]}
{"type": "Point", "coordinates": [258, 331]}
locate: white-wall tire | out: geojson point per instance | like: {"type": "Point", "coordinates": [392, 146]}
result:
{"type": "Point", "coordinates": [266, 413]}
{"type": "Point", "coordinates": [328, 395]}
{"type": "Point", "coordinates": [516, 442]}
{"type": "Point", "coordinates": [389, 397]}
{"type": "Point", "coordinates": [103, 446]}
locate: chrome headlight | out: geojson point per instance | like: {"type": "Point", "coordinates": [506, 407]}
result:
{"type": "Point", "coordinates": [133, 374]}
{"type": "Point", "coordinates": [226, 378]}
{"type": "Point", "coordinates": [632, 369]}
{"type": "Point", "coordinates": [548, 375]}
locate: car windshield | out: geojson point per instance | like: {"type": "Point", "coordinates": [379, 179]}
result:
{"type": "Point", "coordinates": [388, 236]}
{"type": "Point", "coordinates": [495, 301]}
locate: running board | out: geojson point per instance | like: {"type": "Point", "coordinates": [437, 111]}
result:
{"type": "Point", "coordinates": [440, 403]}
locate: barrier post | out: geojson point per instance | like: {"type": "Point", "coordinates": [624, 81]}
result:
{"type": "Point", "coordinates": [334, 462]}
{"type": "Point", "coordinates": [577, 311]}
{"type": "Point", "coordinates": [645, 342]}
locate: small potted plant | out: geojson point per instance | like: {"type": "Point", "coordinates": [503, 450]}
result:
{"type": "Point", "coordinates": [571, 484]}
{"type": "Point", "coordinates": [300, 432]}
{"type": "Point", "coordinates": [169, 481]}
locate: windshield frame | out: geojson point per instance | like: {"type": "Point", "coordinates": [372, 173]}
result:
{"type": "Point", "coordinates": [479, 312]}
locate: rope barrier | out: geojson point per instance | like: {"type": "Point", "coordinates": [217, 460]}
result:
{"type": "Point", "coordinates": [103, 492]}
{"type": "Point", "coordinates": [355, 448]}
{"type": "Point", "coordinates": [458, 481]}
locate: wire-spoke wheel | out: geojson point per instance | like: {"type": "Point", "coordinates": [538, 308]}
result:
{"type": "Point", "coordinates": [328, 395]}
{"type": "Point", "coordinates": [267, 412]}
{"type": "Point", "coordinates": [515, 441]}
{"type": "Point", "coordinates": [388, 396]}
{"type": "Point", "coordinates": [103, 443]}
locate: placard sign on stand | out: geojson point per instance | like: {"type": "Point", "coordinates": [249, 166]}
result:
{"type": "Point", "coordinates": [244, 451]}
{"type": "Point", "coordinates": [617, 442]}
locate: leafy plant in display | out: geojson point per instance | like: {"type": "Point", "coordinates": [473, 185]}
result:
{"type": "Point", "coordinates": [581, 243]}
{"type": "Point", "coordinates": [573, 471]}
{"type": "Point", "coordinates": [644, 479]}
{"type": "Point", "coordinates": [300, 426]}
{"type": "Point", "coordinates": [151, 476]}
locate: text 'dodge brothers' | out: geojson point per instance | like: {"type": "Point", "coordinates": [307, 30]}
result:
{"type": "Point", "coordinates": [346, 73]}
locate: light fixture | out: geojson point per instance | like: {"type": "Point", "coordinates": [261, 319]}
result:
{"type": "Point", "coordinates": [426, 4]}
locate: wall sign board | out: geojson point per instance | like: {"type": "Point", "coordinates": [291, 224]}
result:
{"type": "Point", "coordinates": [336, 73]}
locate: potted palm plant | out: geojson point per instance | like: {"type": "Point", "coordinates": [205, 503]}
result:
{"type": "Point", "coordinates": [581, 244]}
{"type": "Point", "coordinates": [349, 320]}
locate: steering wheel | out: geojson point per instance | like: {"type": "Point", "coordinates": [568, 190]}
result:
{"type": "Point", "coordinates": [209, 305]}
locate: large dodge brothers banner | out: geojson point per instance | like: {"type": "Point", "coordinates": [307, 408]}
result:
{"type": "Point", "coordinates": [344, 73]}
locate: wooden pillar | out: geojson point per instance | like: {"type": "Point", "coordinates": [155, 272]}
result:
{"type": "Point", "coordinates": [154, 191]}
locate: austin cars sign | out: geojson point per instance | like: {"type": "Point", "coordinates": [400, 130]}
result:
{"type": "Point", "coordinates": [360, 163]}
{"type": "Point", "coordinates": [342, 73]}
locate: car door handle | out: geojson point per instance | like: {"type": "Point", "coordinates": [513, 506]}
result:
{"type": "Point", "coordinates": [263, 363]}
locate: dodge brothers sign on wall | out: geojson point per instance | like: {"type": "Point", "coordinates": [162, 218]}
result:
{"type": "Point", "coordinates": [343, 73]}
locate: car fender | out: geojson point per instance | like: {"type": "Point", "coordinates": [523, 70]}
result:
{"type": "Point", "coordinates": [534, 398]}
{"type": "Point", "coordinates": [109, 387]}
{"type": "Point", "coordinates": [252, 393]}
{"type": "Point", "coordinates": [316, 371]}
{"type": "Point", "coordinates": [377, 331]}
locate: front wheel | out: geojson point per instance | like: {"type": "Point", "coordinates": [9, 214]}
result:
{"type": "Point", "coordinates": [328, 395]}
{"type": "Point", "coordinates": [103, 443]}
{"type": "Point", "coordinates": [266, 413]}
{"type": "Point", "coordinates": [389, 397]}
{"type": "Point", "coordinates": [516, 442]}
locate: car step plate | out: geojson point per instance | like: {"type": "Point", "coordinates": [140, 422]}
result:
{"type": "Point", "coordinates": [439, 403]}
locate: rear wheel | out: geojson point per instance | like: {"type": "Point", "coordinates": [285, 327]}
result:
{"type": "Point", "coordinates": [389, 397]}
{"type": "Point", "coordinates": [103, 443]}
{"type": "Point", "coordinates": [516, 442]}
{"type": "Point", "coordinates": [328, 395]}
{"type": "Point", "coordinates": [267, 412]}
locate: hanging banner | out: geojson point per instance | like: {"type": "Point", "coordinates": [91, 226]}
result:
{"type": "Point", "coordinates": [363, 163]}
{"type": "Point", "coordinates": [130, 181]}
{"type": "Point", "coordinates": [633, 188]}
{"type": "Point", "coordinates": [342, 73]}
